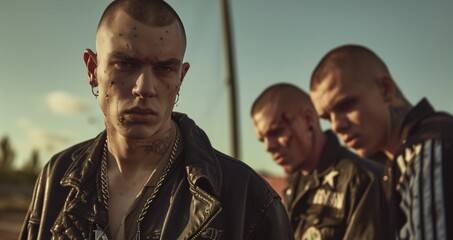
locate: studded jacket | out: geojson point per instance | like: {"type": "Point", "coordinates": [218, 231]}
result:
{"type": "Point", "coordinates": [419, 175]}
{"type": "Point", "coordinates": [341, 199]}
{"type": "Point", "coordinates": [207, 195]}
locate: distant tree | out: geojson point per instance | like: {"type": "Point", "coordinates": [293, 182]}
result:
{"type": "Point", "coordinates": [7, 155]}
{"type": "Point", "coordinates": [32, 166]}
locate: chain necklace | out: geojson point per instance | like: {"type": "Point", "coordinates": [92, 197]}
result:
{"type": "Point", "coordinates": [105, 186]}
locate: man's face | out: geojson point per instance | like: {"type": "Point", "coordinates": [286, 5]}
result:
{"type": "Point", "coordinates": [139, 72]}
{"type": "Point", "coordinates": [358, 113]}
{"type": "Point", "coordinates": [285, 136]}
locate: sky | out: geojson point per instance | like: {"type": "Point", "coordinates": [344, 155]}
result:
{"type": "Point", "coordinates": [46, 101]}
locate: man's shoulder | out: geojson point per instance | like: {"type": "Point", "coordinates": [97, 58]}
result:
{"type": "Point", "coordinates": [436, 125]}
{"type": "Point", "coordinates": [233, 167]}
{"type": "Point", "coordinates": [359, 166]}
{"type": "Point", "coordinates": [66, 157]}
{"type": "Point", "coordinates": [237, 174]}
{"type": "Point", "coordinates": [359, 162]}
{"type": "Point", "coordinates": [423, 123]}
{"type": "Point", "coordinates": [433, 131]}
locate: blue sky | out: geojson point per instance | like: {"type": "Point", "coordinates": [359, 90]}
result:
{"type": "Point", "coordinates": [46, 101]}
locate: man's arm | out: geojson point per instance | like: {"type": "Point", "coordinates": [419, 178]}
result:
{"type": "Point", "coordinates": [369, 216]}
{"type": "Point", "coordinates": [274, 224]}
{"type": "Point", "coordinates": [30, 226]}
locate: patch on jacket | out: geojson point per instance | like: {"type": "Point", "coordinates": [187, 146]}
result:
{"type": "Point", "coordinates": [329, 179]}
{"type": "Point", "coordinates": [329, 198]}
{"type": "Point", "coordinates": [312, 233]}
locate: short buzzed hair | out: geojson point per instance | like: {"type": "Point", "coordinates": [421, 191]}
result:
{"type": "Point", "coordinates": [344, 55]}
{"type": "Point", "coordinates": [150, 12]}
{"type": "Point", "coordinates": [282, 93]}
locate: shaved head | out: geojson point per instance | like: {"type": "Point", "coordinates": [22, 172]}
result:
{"type": "Point", "coordinates": [284, 95]}
{"type": "Point", "coordinates": [285, 120]}
{"type": "Point", "coordinates": [155, 13]}
{"type": "Point", "coordinates": [349, 57]}
{"type": "Point", "coordinates": [352, 88]}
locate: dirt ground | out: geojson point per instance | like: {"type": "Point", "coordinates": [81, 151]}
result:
{"type": "Point", "coordinates": [14, 200]}
{"type": "Point", "coordinates": [10, 224]}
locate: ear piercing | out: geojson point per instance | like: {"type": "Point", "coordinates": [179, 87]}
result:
{"type": "Point", "coordinates": [94, 92]}
{"type": "Point", "coordinates": [177, 98]}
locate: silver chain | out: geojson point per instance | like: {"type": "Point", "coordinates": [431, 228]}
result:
{"type": "Point", "coordinates": [105, 187]}
{"type": "Point", "coordinates": [104, 178]}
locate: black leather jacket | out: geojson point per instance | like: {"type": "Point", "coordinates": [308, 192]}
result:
{"type": "Point", "coordinates": [207, 195]}
{"type": "Point", "coordinates": [341, 199]}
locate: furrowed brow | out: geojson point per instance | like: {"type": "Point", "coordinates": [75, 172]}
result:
{"type": "Point", "coordinates": [121, 55]}
{"type": "Point", "coordinates": [170, 62]}
{"type": "Point", "coordinates": [340, 105]}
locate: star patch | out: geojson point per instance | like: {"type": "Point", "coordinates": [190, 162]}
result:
{"type": "Point", "coordinates": [329, 178]}
{"type": "Point", "coordinates": [312, 233]}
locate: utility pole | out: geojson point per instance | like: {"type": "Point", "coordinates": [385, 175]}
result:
{"type": "Point", "coordinates": [231, 79]}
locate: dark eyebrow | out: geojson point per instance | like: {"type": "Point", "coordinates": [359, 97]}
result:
{"type": "Point", "coordinates": [121, 55]}
{"type": "Point", "coordinates": [170, 62]}
{"type": "Point", "coordinates": [342, 102]}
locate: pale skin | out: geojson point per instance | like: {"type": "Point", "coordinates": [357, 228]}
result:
{"type": "Point", "coordinates": [139, 70]}
{"type": "Point", "coordinates": [365, 108]}
{"type": "Point", "coordinates": [291, 135]}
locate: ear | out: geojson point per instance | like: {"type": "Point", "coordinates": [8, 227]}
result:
{"type": "Point", "coordinates": [184, 69]}
{"type": "Point", "coordinates": [310, 117]}
{"type": "Point", "coordinates": [387, 88]}
{"type": "Point", "coordinates": [90, 59]}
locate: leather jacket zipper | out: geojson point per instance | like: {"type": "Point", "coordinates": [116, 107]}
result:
{"type": "Point", "coordinates": [201, 230]}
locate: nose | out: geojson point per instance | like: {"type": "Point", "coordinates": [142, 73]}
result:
{"type": "Point", "coordinates": [339, 123]}
{"type": "Point", "coordinates": [145, 85]}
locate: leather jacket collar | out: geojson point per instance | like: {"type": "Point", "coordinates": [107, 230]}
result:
{"type": "Point", "coordinates": [201, 163]}
{"type": "Point", "coordinates": [414, 117]}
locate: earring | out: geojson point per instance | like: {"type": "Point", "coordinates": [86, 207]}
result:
{"type": "Point", "coordinates": [95, 93]}
{"type": "Point", "coordinates": [177, 99]}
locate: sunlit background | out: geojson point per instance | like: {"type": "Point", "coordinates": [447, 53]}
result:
{"type": "Point", "coordinates": [46, 102]}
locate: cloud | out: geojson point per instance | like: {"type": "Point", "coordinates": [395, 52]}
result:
{"type": "Point", "coordinates": [64, 103]}
{"type": "Point", "coordinates": [41, 139]}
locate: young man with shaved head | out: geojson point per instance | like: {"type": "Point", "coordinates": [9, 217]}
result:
{"type": "Point", "coordinates": [331, 193]}
{"type": "Point", "coordinates": [353, 89]}
{"type": "Point", "coordinates": [152, 174]}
